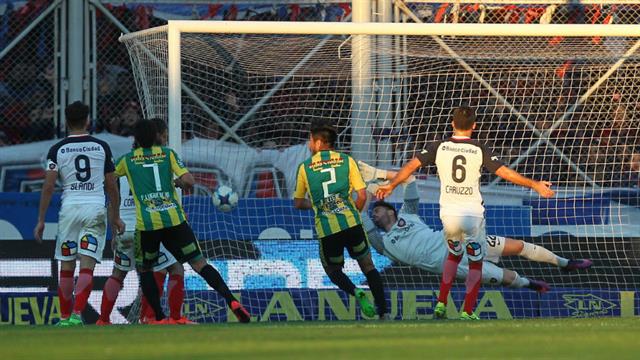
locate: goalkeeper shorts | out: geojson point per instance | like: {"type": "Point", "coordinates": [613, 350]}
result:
{"type": "Point", "coordinates": [124, 256]}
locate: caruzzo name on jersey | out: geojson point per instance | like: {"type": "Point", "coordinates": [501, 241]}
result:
{"type": "Point", "coordinates": [80, 149]}
{"type": "Point", "coordinates": [458, 190]}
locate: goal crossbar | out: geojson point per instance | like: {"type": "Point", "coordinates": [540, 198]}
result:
{"type": "Point", "coordinates": [339, 28]}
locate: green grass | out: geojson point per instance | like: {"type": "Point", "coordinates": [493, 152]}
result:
{"type": "Point", "coordinates": [605, 338]}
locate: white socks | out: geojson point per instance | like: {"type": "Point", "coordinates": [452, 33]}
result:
{"type": "Point", "coordinates": [540, 254]}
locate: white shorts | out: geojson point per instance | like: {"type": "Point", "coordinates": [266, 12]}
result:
{"type": "Point", "coordinates": [495, 247]}
{"type": "Point", "coordinates": [465, 233]}
{"type": "Point", "coordinates": [491, 273]}
{"type": "Point", "coordinates": [124, 257]}
{"type": "Point", "coordinates": [82, 230]}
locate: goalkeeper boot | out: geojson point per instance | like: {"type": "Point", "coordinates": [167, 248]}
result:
{"type": "Point", "coordinates": [539, 286]}
{"type": "Point", "coordinates": [472, 316]}
{"type": "Point", "coordinates": [365, 305]}
{"type": "Point", "coordinates": [240, 312]}
{"type": "Point", "coordinates": [75, 320]}
{"type": "Point", "coordinates": [440, 311]}
{"type": "Point", "coordinates": [578, 264]}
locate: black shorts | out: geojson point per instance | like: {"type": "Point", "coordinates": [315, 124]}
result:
{"type": "Point", "coordinates": [178, 240]}
{"type": "Point", "coordinates": [332, 246]}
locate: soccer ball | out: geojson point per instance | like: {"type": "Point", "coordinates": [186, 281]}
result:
{"type": "Point", "coordinates": [224, 198]}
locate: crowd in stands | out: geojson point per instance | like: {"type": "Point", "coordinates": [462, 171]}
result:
{"type": "Point", "coordinates": [607, 138]}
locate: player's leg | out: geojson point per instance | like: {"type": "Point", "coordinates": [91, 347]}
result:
{"type": "Point", "coordinates": [512, 279]}
{"type": "Point", "coordinates": [454, 239]}
{"type": "Point", "coordinates": [540, 254]}
{"type": "Point", "coordinates": [185, 248]}
{"type": "Point", "coordinates": [123, 262]}
{"type": "Point", "coordinates": [146, 312]}
{"type": "Point", "coordinates": [147, 244]}
{"type": "Point", "coordinates": [331, 249]}
{"type": "Point", "coordinates": [110, 294]}
{"type": "Point", "coordinates": [93, 223]}
{"type": "Point", "coordinates": [66, 252]}
{"type": "Point", "coordinates": [175, 287]}
{"type": "Point", "coordinates": [475, 240]}
{"type": "Point", "coordinates": [358, 248]}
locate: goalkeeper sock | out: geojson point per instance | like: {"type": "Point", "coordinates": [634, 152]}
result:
{"type": "Point", "coordinates": [83, 289]}
{"type": "Point", "coordinates": [175, 291]}
{"type": "Point", "coordinates": [65, 293]}
{"type": "Point", "coordinates": [375, 284]}
{"type": "Point", "coordinates": [540, 254]}
{"type": "Point", "coordinates": [109, 296]}
{"type": "Point", "coordinates": [343, 282]}
{"type": "Point", "coordinates": [448, 274]}
{"type": "Point", "coordinates": [519, 282]}
{"type": "Point", "coordinates": [474, 278]}
{"type": "Point", "coordinates": [150, 291]}
{"type": "Point", "coordinates": [213, 278]}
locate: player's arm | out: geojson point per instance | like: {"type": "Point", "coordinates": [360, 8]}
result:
{"type": "Point", "coordinates": [45, 199]}
{"type": "Point", "coordinates": [492, 163]}
{"type": "Point", "coordinates": [374, 237]}
{"type": "Point", "coordinates": [424, 158]}
{"type": "Point", "coordinates": [113, 209]}
{"type": "Point", "coordinates": [185, 179]}
{"type": "Point", "coordinates": [357, 183]}
{"type": "Point", "coordinates": [111, 173]}
{"type": "Point", "coordinates": [541, 187]}
{"type": "Point", "coordinates": [300, 200]}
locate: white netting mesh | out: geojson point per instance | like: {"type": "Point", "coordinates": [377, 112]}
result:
{"type": "Point", "coordinates": [549, 106]}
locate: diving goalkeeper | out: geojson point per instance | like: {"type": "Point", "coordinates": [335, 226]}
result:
{"type": "Point", "coordinates": [406, 239]}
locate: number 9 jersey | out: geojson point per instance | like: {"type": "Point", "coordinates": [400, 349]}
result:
{"type": "Point", "coordinates": [81, 162]}
{"type": "Point", "coordinates": [459, 160]}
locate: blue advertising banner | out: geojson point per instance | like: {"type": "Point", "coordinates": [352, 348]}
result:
{"type": "Point", "coordinates": [250, 218]}
{"type": "Point", "coordinates": [324, 305]}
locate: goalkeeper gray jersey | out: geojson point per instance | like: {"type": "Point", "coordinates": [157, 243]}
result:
{"type": "Point", "coordinates": [412, 242]}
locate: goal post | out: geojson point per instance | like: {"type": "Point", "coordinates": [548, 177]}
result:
{"type": "Point", "coordinates": [555, 102]}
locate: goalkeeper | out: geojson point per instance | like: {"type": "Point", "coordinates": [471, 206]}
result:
{"type": "Point", "coordinates": [408, 240]}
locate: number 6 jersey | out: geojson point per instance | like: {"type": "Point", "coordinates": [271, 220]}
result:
{"type": "Point", "coordinates": [81, 162]}
{"type": "Point", "coordinates": [459, 160]}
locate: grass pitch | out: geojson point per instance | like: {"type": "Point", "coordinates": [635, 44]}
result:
{"type": "Point", "coordinates": [605, 338]}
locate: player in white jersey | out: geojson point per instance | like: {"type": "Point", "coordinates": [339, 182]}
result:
{"type": "Point", "coordinates": [406, 239]}
{"type": "Point", "coordinates": [124, 260]}
{"type": "Point", "coordinates": [459, 160]}
{"type": "Point", "coordinates": [85, 167]}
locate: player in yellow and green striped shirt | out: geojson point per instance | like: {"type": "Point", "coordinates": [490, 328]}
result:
{"type": "Point", "coordinates": [161, 219]}
{"type": "Point", "coordinates": [329, 177]}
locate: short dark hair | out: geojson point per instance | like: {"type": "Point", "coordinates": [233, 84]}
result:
{"type": "Point", "coordinates": [324, 130]}
{"type": "Point", "coordinates": [464, 117]}
{"type": "Point", "coordinates": [385, 204]}
{"type": "Point", "coordinates": [161, 125]}
{"type": "Point", "coordinates": [145, 133]}
{"type": "Point", "coordinates": [76, 115]}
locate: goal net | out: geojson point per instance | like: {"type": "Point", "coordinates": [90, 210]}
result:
{"type": "Point", "coordinates": [559, 108]}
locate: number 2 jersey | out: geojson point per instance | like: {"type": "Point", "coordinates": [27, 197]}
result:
{"type": "Point", "coordinates": [459, 160]}
{"type": "Point", "coordinates": [81, 162]}
{"type": "Point", "coordinates": [149, 172]}
{"type": "Point", "coordinates": [329, 177]}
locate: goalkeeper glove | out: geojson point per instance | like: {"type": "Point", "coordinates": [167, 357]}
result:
{"type": "Point", "coordinates": [370, 173]}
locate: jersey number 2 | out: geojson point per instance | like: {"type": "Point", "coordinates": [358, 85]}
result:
{"type": "Point", "coordinates": [332, 180]}
{"type": "Point", "coordinates": [156, 174]}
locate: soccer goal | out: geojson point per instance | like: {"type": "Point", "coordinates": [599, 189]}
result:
{"type": "Point", "coordinates": [557, 102]}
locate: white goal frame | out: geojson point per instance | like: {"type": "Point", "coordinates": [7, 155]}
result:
{"type": "Point", "coordinates": [175, 28]}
